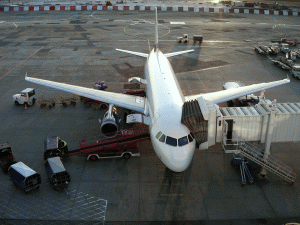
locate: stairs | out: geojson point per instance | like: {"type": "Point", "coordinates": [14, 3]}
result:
{"type": "Point", "coordinates": [253, 153]}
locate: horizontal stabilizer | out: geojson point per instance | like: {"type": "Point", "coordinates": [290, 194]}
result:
{"type": "Point", "coordinates": [133, 53]}
{"type": "Point", "coordinates": [178, 53]}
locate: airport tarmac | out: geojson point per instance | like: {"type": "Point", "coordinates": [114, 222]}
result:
{"type": "Point", "coordinates": [79, 48]}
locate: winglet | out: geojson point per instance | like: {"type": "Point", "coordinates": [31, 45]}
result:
{"type": "Point", "coordinates": [288, 79]}
{"type": "Point", "coordinates": [26, 76]}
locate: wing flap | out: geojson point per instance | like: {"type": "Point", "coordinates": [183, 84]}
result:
{"type": "Point", "coordinates": [227, 95]}
{"type": "Point", "coordinates": [126, 101]}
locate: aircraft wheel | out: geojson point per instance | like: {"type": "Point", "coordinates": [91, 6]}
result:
{"type": "Point", "coordinates": [17, 103]}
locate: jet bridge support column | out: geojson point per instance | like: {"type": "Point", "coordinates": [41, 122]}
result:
{"type": "Point", "coordinates": [269, 134]}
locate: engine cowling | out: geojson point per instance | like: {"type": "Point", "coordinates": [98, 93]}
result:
{"type": "Point", "coordinates": [109, 125]}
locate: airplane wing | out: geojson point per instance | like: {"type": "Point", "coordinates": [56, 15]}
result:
{"type": "Point", "coordinates": [126, 101]}
{"type": "Point", "coordinates": [227, 95]}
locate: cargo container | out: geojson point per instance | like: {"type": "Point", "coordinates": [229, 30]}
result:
{"type": "Point", "coordinates": [24, 177]}
{"type": "Point", "coordinates": [57, 174]}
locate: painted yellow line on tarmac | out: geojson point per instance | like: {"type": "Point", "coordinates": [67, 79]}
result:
{"type": "Point", "coordinates": [21, 63]}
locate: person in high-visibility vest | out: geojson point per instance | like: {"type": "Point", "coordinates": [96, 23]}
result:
{"type": "Point", "coordinates": [63, 145]}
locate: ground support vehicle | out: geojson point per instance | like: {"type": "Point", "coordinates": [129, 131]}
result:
{"type": "Point", "coordinates": [123, 144]}
{"type": "Point", "coordinates": [291, 55]}
{"type": "Point", "coordinates": [26, 97]}
{"type": "Point", "coordinates": [137, 92]}
{"type": "Point", "coordinates": [24, 177]}
{"type": "Point", "coordinates": [6, 157]}
{"type": "Point", "coordinates": [100, 85]}
{"type": "Point", "coordinates": [289, 42]}
{"type": "Point", "coordinates": [49, 103]}
{"type": "Point", "coordinates": [241, 163]}
{"type": "Point", "coordinates": [284, 48]}
{"type": "Point", "coordinates": [297, 52]}
{"type": "Point", "coordinates": [54, 147]}
{"type": "Point", "coordinates": [288, 64]}
{"type": "Point", "coordinates": [262, 49]}
{"type": "Point", "coordinates": [57, 174]}
{"type": "Point", "coordinates": [89, 101]}
{"type": "Point", "coordinates": [274, 49]}
{"type": "Point", "coordinates": [296, 71]}
{"type": "Point", "coordinates": [248, 100]}
{"type": "Point", "coordinates": [197, 38]}
{"type": "Point", "coordinates": [184, 39]}
{"type": "Point", "coordinates": [65, 101]}
{"type": "Point", "coordinates": [284, 63]}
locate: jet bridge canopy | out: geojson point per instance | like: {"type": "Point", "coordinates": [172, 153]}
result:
{"type": "Point", "coordinates": [192, 117]}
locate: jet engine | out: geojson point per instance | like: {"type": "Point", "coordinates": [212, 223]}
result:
{"type": "Point", "coordinates": [109, 125]}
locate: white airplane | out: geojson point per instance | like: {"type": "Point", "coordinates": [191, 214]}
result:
{"type": "Point", "coordinates": [172, 141]}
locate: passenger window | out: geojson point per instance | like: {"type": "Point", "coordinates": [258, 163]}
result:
{"type": "Point", "coordinates": [183, 141]}
{"type": "Point", "coordinates": [162, 138]}
{"type": "Point", "coordinates": [190, 138]}
{"type": "Point", "coordinates": [171, 141]}
{"type": "Point", "coordinates": [158, 134]}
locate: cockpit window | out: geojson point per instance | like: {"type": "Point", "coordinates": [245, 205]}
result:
{"type": "Point", "coordinates": [162, 138]}
{"type": "Point", "coordinates": [190, 137]}
{"type": "Point", "coordinates": [171, 141]}
{"type": "Point", "coordinates": [158, 134]}
{"type": "Point", "coordinates": [183, 141]}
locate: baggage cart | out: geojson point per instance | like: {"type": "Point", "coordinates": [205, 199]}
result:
{"type": "Point", "coordinates": [24, 177]}
{"type": "Point", "coordinates": [54, 147]}
{"type": "Point", "coordinates": [197, 38]}
{"type": "Point", "coordinates": [57, 174]}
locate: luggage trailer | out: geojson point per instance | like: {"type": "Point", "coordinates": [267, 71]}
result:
{"type": "Point", "coordinates": [57, 174]}
{"type": "Point", "coordinates": [123, 144]}
{"type": "Point", "coordinates": [24, 177]}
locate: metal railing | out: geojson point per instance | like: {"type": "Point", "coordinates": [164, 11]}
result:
{"type": "Point", "coordinates": [231, 145]}
{"type": "Point", "coordinates": [253, 153]}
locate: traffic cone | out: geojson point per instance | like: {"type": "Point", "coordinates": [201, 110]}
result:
{"type": "Point", "coordinates": [26, 107]}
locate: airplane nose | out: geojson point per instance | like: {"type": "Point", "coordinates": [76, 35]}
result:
{"type": "Point", "coordinates": [180, 158]}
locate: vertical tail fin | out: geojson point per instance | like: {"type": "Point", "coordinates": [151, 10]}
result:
{"type": "Point", "coordinates": [156, 30]}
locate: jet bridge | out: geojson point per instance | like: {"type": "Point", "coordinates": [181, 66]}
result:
{"type": "Point", "coordinates": [255, 123]}
{"type": "Point", "coordinates": [200, 117]}
{"type": "Point", "coordinates": [234, 127]}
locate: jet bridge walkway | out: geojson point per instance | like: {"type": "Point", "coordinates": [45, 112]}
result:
{"type": "Point", "coordinates": [253, 153]}
{"type": "Point", "coordinates": [192, 117]}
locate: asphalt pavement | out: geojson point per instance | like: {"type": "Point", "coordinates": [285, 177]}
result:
{"type": "Point", "coordinates": [79, 48]}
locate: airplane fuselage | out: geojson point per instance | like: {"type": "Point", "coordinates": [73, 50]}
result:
{"type": "Point", "coordinates": [164, 102]}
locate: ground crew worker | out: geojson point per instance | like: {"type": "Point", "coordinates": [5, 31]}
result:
{"type": "Point", "coordinates": [63, 145]}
